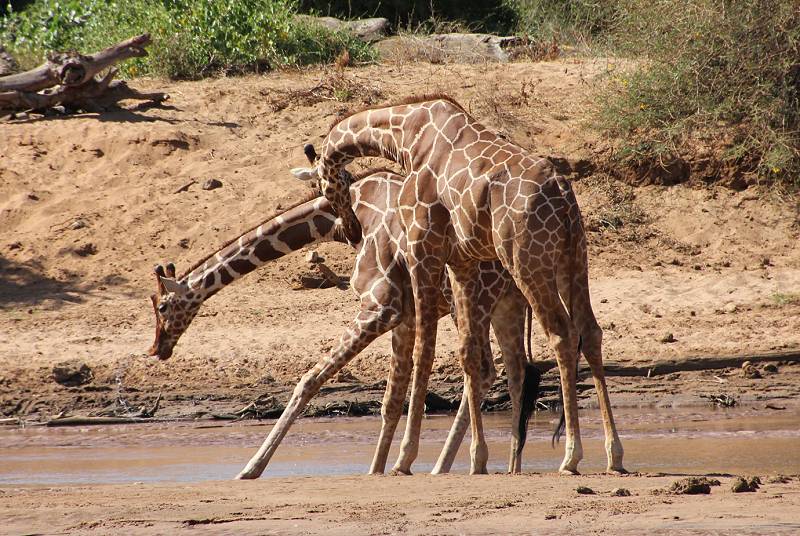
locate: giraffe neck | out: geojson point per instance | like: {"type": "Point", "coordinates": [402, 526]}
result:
{"type": "Point", "coordinates": [300, 226]}
{"type": "Point", "coordinates": [414, 135]}
{"type": "Point", "coordinates": [368, 133]}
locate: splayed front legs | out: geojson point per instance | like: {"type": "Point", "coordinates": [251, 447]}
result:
{"type": "Point", "coordinates": [368, 325]}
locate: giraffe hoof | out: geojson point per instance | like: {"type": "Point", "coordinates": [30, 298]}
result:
{"type": "Point", "coordinates": [400, 472]}
{"type": "Point", "coordinates": [569, 472]}
{"type": "Point", "coordinates": [247, 475]}
{"type": "Point", "coordinates": [617, 471]}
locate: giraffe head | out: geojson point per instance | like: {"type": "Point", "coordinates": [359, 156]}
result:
{"type": "Point", "coordinates": [175, 305]}
{"type": "Point", "coordinates": [335, 191]}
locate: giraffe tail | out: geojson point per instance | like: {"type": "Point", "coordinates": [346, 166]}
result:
{"type": "Point", "coordinates": [558, 431]}
{"type": "Point", "coordinates": [530, 392]}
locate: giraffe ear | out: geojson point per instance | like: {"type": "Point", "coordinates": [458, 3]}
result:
{"type": "Point", "coordinates": [305, 174]}
{"type": "Point", "coordinates": [170, 285]}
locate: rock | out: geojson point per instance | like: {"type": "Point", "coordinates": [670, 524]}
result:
{"type": "Point", "coordinates": [183, 243]}
{"type": "Point", "coordinates": [779, 479]}
{"type": "Point", "coordinates": [72, 373]}
{"type": "Point", "coordinates": [345, 376]}
{"type": "Point", "coordinates": [745, 485]}
{"type": "Point", "coordinates": [450, 48]}
{"type": "Point", "coordinates": [77, 224]}
{"type": "Point", "coordinates": [730, 307]}
{"type": "Point", "coordinates": [771, 368]}
{"type": "Point", "coordinates": [750, 371]}
{"type": "Point", "coordinates": [693, 485]}
{"type": "Point", "coordinates": [85, 250]}
{"type": "Point", "coordinates": [8, 65]}
{"type": "Point", "coordinates": [313, 257]}
{"type": "Point", "coordinates": [583, 490]}
{"type": "Point", "coordinates": [212, 184]}
{"type": "Point", "coordinates": [620, 492]}
{"type": "Point", "coordinates": [668, 338]}
{"type": "Point", "coordinates": [367, 30]}
{"type": "Point", "coordinates": [436, 402]}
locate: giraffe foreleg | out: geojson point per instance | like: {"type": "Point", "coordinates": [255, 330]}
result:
{"type": "Point", "coordinates": [368, 325]}
{"type": "Point", "coordinates": [396, 388]}
{"type": "Point", "coordinates": [426, 282]}
{"type": "Point", "coordinates": [462, 421]}
{"type": "Point", "coordinates": [473, 324]}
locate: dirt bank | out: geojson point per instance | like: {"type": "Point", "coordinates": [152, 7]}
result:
{"type": "Point", "coordinates": [420, 504]}
{"type": "Point", "coordinates": [89, 203]}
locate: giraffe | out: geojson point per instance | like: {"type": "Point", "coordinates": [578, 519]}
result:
{"type": "Point", "coordinates": [471, 195]}
{"type": "Point", "coordinates": [383, 284]}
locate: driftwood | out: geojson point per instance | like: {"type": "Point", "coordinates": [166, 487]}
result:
{"type": "Point", "coordinates": [668, 366]}
{"type": "Point", "coordinates": [72, 79]}
{"type": "Point", "coordinates": [89, 421]}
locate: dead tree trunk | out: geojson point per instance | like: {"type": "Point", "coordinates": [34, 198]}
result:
{"type": "Point", "coordinates": [72, 79]}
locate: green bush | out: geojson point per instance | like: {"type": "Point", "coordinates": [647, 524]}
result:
{"type": "Point", "coordinates": [192, 39]}
{"type": "Point", "coordinates": [570, 21]}
{"type": "Point", "coordinates": [720, 77]}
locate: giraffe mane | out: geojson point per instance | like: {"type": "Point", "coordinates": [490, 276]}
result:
{"type": "Point", "coordinates": [411, 99]}
{"type": "Point", "coordinates": [313, 194]}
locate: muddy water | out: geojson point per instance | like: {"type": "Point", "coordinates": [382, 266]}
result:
{"type": "Point", "coordinates": [683, 440]}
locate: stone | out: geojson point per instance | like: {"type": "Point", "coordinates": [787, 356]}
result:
{"type": "Point", "coordinates": [72, 373]}
{"type": "Point", "coordinates": [212, 184]}
{"type": "Point", "coordinates": [779, 479]}
{"type": "Point", "coordinates": [668, 338]}
{"type": "Point", "coordinates": [85, 250]}
{"type": "Point", "coordinates": [693, 485]}
{"type": "Point", "coordinates": [745, 485]}
{"type": "Point", "coordinates": [367, 30]}
{"type": "Point", "coordinates": [77, 224]}
{"type": "Point", "coordinates": [750, 371]}
{"type": "Point", "coordinates": [620, 492]}
{"type": "Point", "coordinates": [450, 48]}
{"type": "Point", "coordinates": [771, 368]}
{"type": "Point", "coordinates": [583, 490]}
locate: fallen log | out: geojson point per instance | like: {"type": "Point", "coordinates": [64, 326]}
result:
{"type": "Point", "coordinates": [71, 69]}
{"type": "Point", "coordinates": [90, 421]}
{"type": "Point", "coordinates": [78, 85]}
{"type": "Point", "coordinates": [687, 364]}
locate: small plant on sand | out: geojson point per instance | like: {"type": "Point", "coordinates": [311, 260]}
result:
{"type": "Point", "coordinates": [618, 209]}
{"type": "Point", "coordinates": [786, 298]}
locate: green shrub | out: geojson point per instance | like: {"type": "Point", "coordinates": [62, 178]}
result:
{"type": "Point", "coordinates": [192, 39]}
{"type": "Point", "coordinates": [719, 77]}
{"type": "Point", "coordinates": [570, 21]}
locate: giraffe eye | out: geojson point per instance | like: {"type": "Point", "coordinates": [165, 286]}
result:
{"type": "Point", "coordinates": [162, 307]}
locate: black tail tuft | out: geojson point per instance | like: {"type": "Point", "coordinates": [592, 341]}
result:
{"type": "Point", "coordinates": [562, 423]}
{"type": "Point", "coordinates": [530, 392]}
{"type": "Point", "coordinates": [559, 429]}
